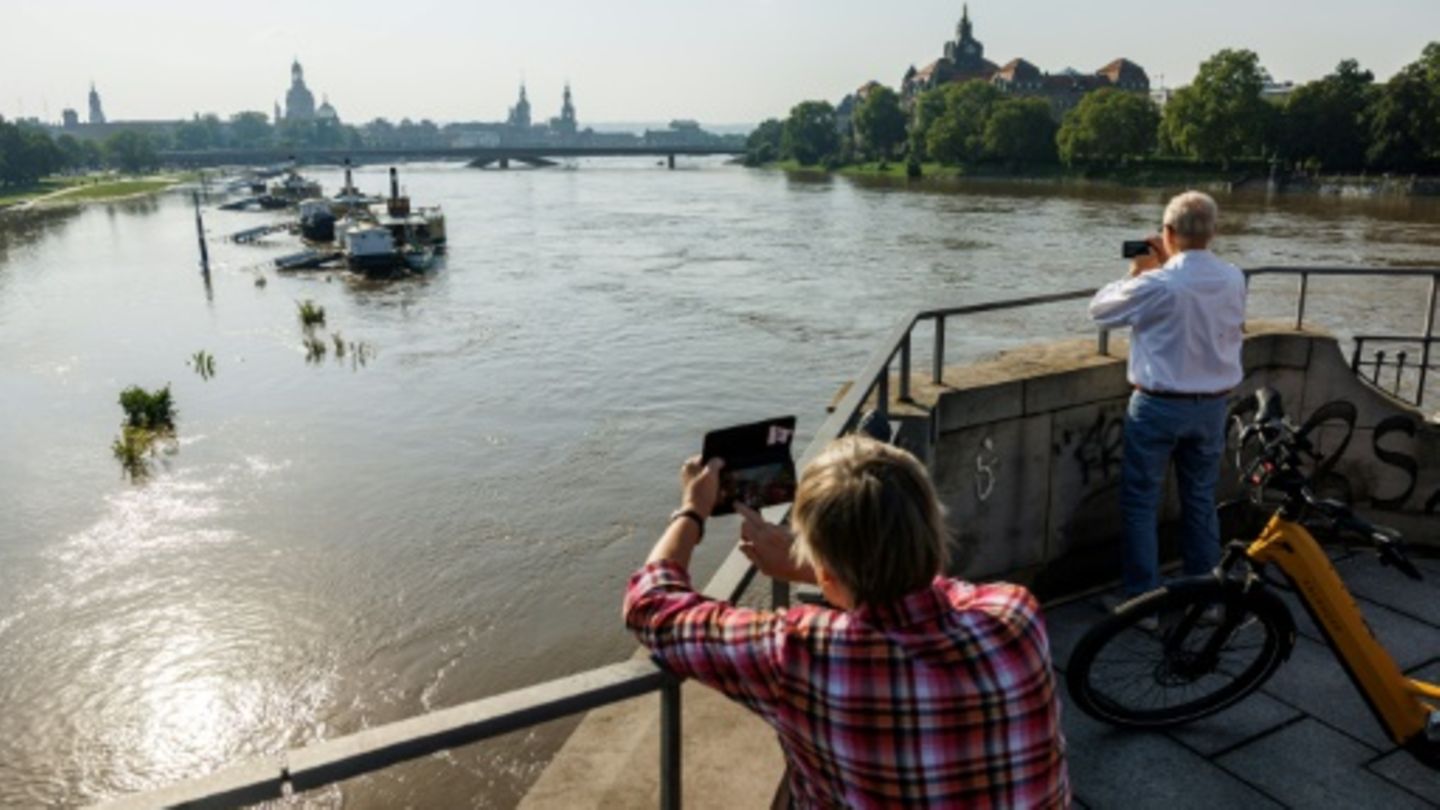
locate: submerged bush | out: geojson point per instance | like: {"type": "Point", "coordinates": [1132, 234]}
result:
{"type": "Point", "coordinates": [311, 314]}
{"type": "Point", "coordinates": [148, 410]}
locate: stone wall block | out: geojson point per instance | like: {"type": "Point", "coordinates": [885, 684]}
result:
{"type": "Point", "coordinates": [962, 408]}
{"type": "Point", "coordinates": [1076, 386]}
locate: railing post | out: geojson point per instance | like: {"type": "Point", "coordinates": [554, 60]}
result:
{"type": "Point", "coordinates": [1379, 362]}
{"type": "Point", "coordinates": [905, 368]}
{"type": "Point", "coordinates": [1300, 304]}
{"type": "Point", "coordinates": [1429, 338]}
{"type": "Point", "coordinates": [779, 594]}
{"type": "Point", "coordinates": [938, 376]}
{"type": "Point", "coordinates": [1104, 344]}
{"type": "Point", "coordinates": [1355, 357]}
{"type": "Point", "coordinates": [1399, 370]}
{"type": "Point", "coordinates": [882, 394]}
{"type": "Point", "coordinates": [670, 744]}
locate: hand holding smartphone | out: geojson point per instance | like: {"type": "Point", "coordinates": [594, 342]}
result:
{"type": "Point", "coordinates": [759, 470]}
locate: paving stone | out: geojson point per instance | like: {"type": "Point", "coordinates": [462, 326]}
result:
{"type": "Point", "coordinates": [1314, 681]}
{"type": "Point", "coordinates": [1067, 624]}
{"type": "Point", "coordinates": [1368, 579]}
{"type": "Point", "coordinates": [1115, 768]}
{"type": "Point", "coordinates": [1402, 769]}
{"type": "Point", "coordinates": [1309, 765]}
{"type": "Point", "coordinates": [1246, 720]}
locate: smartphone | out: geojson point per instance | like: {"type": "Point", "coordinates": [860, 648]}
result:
{"type": "Point", "coordinates": [759, 470]}
{"type": "Point", "coordinates": [1132, 249]}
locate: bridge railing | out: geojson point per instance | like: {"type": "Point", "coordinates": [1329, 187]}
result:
{"type": "Point", "coordinates": [332, 761]}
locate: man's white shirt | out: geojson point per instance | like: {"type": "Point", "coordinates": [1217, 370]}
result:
{"type": "Point", "coordinates": [1187, 321]}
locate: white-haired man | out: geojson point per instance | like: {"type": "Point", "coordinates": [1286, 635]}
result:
{"type": "Point", "coordinates": [1186, 310]}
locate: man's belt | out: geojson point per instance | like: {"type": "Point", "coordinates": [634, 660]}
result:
{"type": "Point", "coordinates": [1182, 394]}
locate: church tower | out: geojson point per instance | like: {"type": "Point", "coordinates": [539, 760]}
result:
{"type": "Point", "coordinates": [966, 53]}
{"type": "Point", "coordinates": [97, 115]}
{"type": "Point", "coordinates": [566, 123]}
{"type": "Point", "coordinates": [299, 101]}
{"type": "Point", "coordinates": [520, 113]}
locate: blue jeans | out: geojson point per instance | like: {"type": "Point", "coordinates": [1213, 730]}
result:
{"type": "Point", "coordinates": [1192, 432]}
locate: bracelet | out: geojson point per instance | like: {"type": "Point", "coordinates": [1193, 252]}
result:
{"type": "Point", "coordinates": [692, 515]}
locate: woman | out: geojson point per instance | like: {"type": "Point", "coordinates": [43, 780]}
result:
{"type": "Point", "coordinates": [914, 689]}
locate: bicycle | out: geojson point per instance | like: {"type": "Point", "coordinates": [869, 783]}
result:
{"type": "Point", "coordinates": [1215, 639]}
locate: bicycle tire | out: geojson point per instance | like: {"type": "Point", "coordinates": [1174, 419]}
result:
{"type": "Point", "coordinates": [1203, 687]}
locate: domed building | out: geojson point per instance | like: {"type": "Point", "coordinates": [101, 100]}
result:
{"type": "Point", "coordinates": [326, 112]}
{"type": "Point", "coordinates": [299, 101]}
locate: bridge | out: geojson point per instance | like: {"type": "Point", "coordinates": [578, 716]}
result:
{"type": "Point", "coordinates": [478, 156]}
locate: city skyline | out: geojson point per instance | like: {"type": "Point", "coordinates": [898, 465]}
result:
{"type": "Point", "coordinates": [638, 60]}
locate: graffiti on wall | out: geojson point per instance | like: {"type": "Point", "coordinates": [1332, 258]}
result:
{"type": "Point", "coordinates": [986, 462]}
{"type": "Point", "coordinates": [1097, 450]}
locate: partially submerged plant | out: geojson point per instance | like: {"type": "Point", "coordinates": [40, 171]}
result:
{"type": "Point", "coordinates": [311, 314]}
{"type": "Point", "coordinates": [339, 345]}
{"type": "Point", "coordinates": [315, 349]}
{"type": "Point", "coordinates": [149, 416]}
{"type": "Point", "coordinates": [148, 410]}
{"type": "Point", "coordinates": [133, 450]}
{"type": "Point", "coordinates": [204, 364]}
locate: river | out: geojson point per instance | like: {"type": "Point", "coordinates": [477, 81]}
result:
{"type": "Point", "coordinates": [335, 545]}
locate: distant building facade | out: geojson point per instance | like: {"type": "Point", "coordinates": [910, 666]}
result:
{"type": "Point", "coordinates": [566, 125]}
{"type": "Point", "coordinates": [964, 60]}
{"type": "Point", "coordinates": [519, 115]}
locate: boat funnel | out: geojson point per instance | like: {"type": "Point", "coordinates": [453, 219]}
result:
{"type": "Point", "coordinates": [394, 183]}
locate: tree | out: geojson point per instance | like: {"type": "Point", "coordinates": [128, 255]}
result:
{"type": "Point", "coordinates": [1325, 121]}
{"type": "Point", "coordinates": [193, 135]}
{"type": "Point", "coordinates": [27, 154]}
{"type": "Point", "coordinates": [1221, 116]}
{"type": "Point", "coordinates": [1405, 116]}
{"type": "Point", "coordinates": [131, 151]}
{"type": "Point", "coordinates": [1020, 130]}
{"type": "Point", "coordinates": [880, 122]}
{"type": "Point", "coordinates": [809, 135]}
{"type": "Point", "coordinates": [1107, 126]}
{"type": "Point", "coordinates": [250, 130]}
{"type": "Point", "coordinates": [763, 145]}
{"type": "Point", "coordinates": [929, 108]}
{"type": "Point", "coordinates": [958, 134]}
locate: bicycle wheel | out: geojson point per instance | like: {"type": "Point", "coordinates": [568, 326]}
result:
{"type": "Point", "coordinates": [1179, 653]}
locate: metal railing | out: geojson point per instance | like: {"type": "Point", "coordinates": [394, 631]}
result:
{"type": "Point", "coordinates": [374, 749]}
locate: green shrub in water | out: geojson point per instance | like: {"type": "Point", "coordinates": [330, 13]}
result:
{"type": "Point", "coordinates": [148, 410]}
{"type": "Point", "coordinates": [311, 314]}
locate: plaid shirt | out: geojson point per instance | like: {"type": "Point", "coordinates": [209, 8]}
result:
{"type": "Point", "coordinates": [944, 698]}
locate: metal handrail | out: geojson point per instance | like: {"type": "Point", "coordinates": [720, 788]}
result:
{"type": "Point", "coordinates": [371, 750]}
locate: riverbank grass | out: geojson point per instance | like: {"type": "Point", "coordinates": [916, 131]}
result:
{"type": "Point", "coordinates": [87, 188]}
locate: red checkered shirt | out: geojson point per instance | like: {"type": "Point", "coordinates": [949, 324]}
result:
{"type": "Point", "coordinates": [945, 698]}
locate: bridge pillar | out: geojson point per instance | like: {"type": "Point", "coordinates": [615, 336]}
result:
{"type": "Point", "coordinates": [670, 162]}
{"type": "Point", "coordinates": [504, 162]}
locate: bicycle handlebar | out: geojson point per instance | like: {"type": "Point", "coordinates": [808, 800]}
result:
{"type": "Point", "coordinates": [1278, 466]}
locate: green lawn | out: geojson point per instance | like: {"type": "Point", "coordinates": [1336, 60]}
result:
{"type": "Point", "coordinates": [86, 188]}
{"type": "Point", "coordinates": [115, 188]}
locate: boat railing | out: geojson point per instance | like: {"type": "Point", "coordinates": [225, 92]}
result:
{"type": "Point", "coordinates": [329, 762]}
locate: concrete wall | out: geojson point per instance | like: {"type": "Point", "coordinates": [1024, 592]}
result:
{"type": "Point", "coordinates": [1025, 450]}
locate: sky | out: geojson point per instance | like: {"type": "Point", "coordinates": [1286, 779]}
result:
{"type": "Point", "coordinates": [730, 62]}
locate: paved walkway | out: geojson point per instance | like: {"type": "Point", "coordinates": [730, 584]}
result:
{"type": "Point", "coordinates": [1305, 740]}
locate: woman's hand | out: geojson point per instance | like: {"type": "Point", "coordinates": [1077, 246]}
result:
{"type": "Point", "coordinates": [768, 546]}
{"type": "Point", "coordinates": [700, 485]}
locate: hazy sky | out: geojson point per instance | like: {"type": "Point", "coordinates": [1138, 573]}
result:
{"type": "Point", "coordinates": [735, 61]}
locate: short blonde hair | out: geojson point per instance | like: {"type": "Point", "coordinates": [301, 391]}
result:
{"type": "Point", "coordinates": [1193, 215]}
{"type": "Point", "coordinates": [867, 513]}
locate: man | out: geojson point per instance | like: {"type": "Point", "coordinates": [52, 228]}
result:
{"type": "Point", "coordinates": [915, 690]}
{"type": "Point", "coordinates": [1186, 310]}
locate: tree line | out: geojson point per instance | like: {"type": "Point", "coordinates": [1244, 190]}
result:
{"type": "Point", "coordinates": [29, 152]}
{"type": "Point", "coordinates": [1343, 122]}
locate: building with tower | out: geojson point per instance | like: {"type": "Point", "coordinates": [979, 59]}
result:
{"type": "Point", "coordinates": [964, 60]}
{"type": "Point", "coordinates": [299, 101]}
{"type": "Point", "coordinates": [519, 116]}
{"type": "Point", "coordinates": [97, 114]}
{"type": "Point", "coordinates": [565, 126]}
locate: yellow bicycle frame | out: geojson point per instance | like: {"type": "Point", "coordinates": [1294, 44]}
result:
{"type": "Point", "coordinates": [1403, 705]}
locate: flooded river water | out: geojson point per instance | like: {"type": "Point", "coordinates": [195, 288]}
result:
{"type": "Point", "coordinates": [334, 545]}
